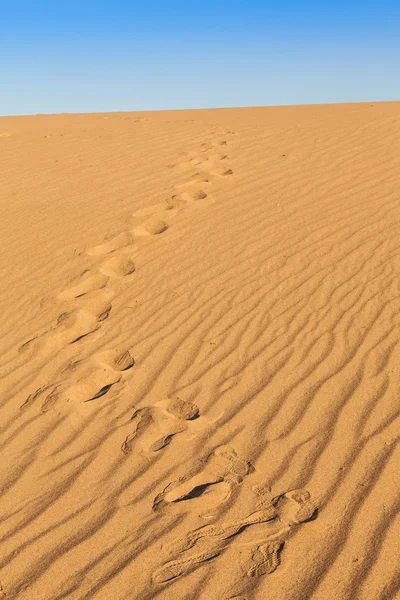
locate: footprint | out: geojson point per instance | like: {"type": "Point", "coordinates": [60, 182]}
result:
{"type": "Point", "coordinates": [219, 157]}
{"type": "Point", "coordinates": [152, 226]}
{"type": "Point", "coordinates": [98, 305]}
{"type": "Point", "coordinates": [73, 326]}
{"type": "Point", "coordinates": [198, 160]}
{"type": "Point", "coordinates": [117, 266]}
{"type": "Point", "coordinates": [158, 424]}
{"type": "Point", "coordinates": [141, 418]}
{"type": "Point", "coordinates": [182, 408]}
{"type": "Point", "coordinates": [160, 215]}
{"type": "Point", "coordinates": [35, 395]}
{"type": "Point", "coordinates": [222, 532]}
{"type": "Point", "coordinates": [210, 145]}
{"type": "Point", "coordinates": [295, 506]}
{"type": "Point", "coordinates": [175, 568]}
{"type": "Point", "coordinates": [117, 242]}
{"type": "Point", "coordinates": [89, 379]}
{"type": "Point", "coordinates": [120, 360]}
{"type": "Point", "coordinates": [223, 172]}
{"type": "Point", "coordinates": [187, 198]}
{"type": "Point", "coordinates": [201, 177]}
{"type": "Point", "coordinates": [93, 386]}
{"type": "Point", "coordinates": [217, 475]}
{"type": "Point", "coordinates": [92, 379]}
{"type": "Point", "coordinates": [218, 535]}
{"type": "Point", "coordinates": [90, 284]}
{"type": "Point", "coordinates": [266, 559]}
{"type": "Point", "coordinates": [90, 387]}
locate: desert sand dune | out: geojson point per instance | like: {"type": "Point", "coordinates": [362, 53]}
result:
{"type": "Point", "coordinates": [199, 351]}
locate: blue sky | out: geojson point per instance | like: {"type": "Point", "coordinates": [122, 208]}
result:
{"type": "Point", "coordinates": [104, 55]}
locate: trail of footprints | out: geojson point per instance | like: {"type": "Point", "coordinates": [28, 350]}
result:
{"type": "Point", "coordinates": [89, 301]}
{"type": "Point", "coordinates": [213, 478]}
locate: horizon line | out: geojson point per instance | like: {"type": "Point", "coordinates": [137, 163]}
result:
{"type": "Point", "coordinates": [243, 107]}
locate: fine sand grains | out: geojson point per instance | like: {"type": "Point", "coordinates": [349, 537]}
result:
{"type": "Point", "coordinates": [199, 346]}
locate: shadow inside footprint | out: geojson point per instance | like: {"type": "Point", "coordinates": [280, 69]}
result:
{"type": "Point", "coordinates": [80, 337]}
{"type": "Point", "coordinates": [100, 393]}
{"type": "Point", "coordinates": [197, 491]}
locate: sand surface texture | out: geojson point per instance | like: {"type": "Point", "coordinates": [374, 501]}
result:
{"type": "Point", "coordinates": [200, 327]}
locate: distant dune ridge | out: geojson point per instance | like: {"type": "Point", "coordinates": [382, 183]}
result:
{"type": "Point", "coordinates": [199, 354]}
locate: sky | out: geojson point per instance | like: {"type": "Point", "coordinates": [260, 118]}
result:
{"type": "Point", "coordinates": [127, 55]}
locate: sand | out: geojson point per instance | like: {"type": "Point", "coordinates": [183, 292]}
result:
{"type": "Point", "coordinates": [199, 330]}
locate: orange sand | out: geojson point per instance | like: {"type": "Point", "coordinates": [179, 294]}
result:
{"type": "Point", "coordinates": [200, 325]}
